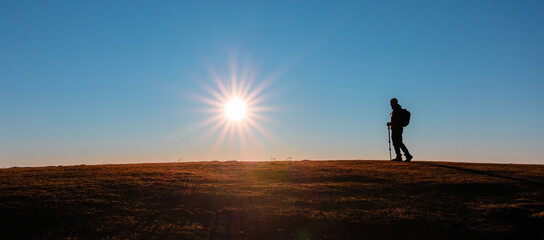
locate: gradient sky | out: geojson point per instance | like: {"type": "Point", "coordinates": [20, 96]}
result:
{"type": "Point", "coordinates": [92, 82]}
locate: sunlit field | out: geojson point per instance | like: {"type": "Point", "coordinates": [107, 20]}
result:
{"type": "Point", "coordinates": [274, 200]}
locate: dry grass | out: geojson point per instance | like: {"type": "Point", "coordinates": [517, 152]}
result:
{"type": "Point", "coordinates": [274, 200]}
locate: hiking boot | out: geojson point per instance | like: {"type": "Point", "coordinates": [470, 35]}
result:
{"type": "Point", "coordinates": [397, 159]}
{"type": "Point", "coordinates": [408, 157]}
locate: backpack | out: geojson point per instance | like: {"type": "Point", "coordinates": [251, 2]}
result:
{"type": "Point", "coordinates": [405, 117]}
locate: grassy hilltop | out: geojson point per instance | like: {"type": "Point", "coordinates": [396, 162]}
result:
{"type": "Point", "coordinates": [274, 200]}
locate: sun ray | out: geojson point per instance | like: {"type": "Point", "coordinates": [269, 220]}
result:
{"type": "Point", "coordinates": [216, 94]}
{"type": "Point", "coordinates": [209, 121]}
{"type": "Point", "coordinates": [210, 110]}
{"type": "Point", "coordinates": [217, 80]}
{"type": "Point", "coordinates": [260, 117]}
{"type": "Point", "coordinates": [257, 100]}
{"type": "Point", "coordinates": [215, 126]}
{"type": "Point", "coordinates": [263, 109]}
{"type": "Point", "coordinates": [260, 88]}
{"type": "Point", "coordinates": [222, 136]}
{"type": "Point", "coordinates": [207, 100]}
{"type": "Point", "coordinates": [258, 127]}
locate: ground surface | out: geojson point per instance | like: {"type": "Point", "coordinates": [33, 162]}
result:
{"type": "Point", "coordinates": [274, 200]}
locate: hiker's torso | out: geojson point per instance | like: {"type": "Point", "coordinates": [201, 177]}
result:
{"type": "Point", "coordinates": [396, 121]}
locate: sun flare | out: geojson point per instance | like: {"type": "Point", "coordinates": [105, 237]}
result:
{"type": "Point", "coordinates": [235, 109]}
{"type": "Point", "coordinates": [234, 103]}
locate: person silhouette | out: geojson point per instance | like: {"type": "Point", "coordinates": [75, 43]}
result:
{"type": "Point", "coordinates": [396, 126]}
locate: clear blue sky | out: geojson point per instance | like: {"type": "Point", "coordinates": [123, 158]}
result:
{"type": "Point", "coordinates": [90, 82]}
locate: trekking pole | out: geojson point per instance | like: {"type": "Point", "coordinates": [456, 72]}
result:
{"type": "Point", "coordinates": [389, 137]}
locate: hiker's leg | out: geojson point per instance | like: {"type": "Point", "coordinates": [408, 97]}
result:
{"type": "Point", "coordinates": [403, 147]}
{"type": "Point", "coordinates": [396, 135]}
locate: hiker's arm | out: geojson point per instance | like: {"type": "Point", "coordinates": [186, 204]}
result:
{"type": "Point", "coordinates": [391, 124]}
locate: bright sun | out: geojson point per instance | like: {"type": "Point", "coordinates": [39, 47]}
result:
{"type": "Point", "coordinates": [235, 109]}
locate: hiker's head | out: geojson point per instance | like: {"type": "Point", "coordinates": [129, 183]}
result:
{"type": "Point", "coordinates": [394, 102]}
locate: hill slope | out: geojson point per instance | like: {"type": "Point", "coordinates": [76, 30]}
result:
{"type": "Point", "coordinates": [274, 200]}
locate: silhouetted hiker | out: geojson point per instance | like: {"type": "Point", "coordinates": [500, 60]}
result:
{"type": "Point", "coordinates": [399, 119]}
